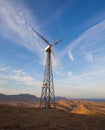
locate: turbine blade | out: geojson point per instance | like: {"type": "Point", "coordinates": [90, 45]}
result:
{"type": "Point", "coordinates": [40, 36]}
{"type": "Point", "coordinates": [57, 42]}
{"type": "Point", "coordinates": [57, 63]}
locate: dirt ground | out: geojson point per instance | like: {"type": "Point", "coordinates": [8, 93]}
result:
{"type": "Point", "coordinates": [23, 118]}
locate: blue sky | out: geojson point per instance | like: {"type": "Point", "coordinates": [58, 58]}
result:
{"type": "Point", "coordinates": [81, 55]}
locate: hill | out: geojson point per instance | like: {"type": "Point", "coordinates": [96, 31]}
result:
{"type": "Point", "coordinates": [21, 112]}
{"type": "Point", "coordinates": [82, 107]}
{"type": "Point", "coordinates": [23, 118]}
{"type": "Point", "coordinates": [72, 106]}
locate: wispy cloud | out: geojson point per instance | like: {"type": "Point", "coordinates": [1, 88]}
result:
{"type": "Point", "coordinates": [15, 22]}
{"type": "Point", "coordinates": [4, 68]}
{"type": "Point", "coordinates": [89, 57]}
{"type": "Point", "coordinates": [70, 56]}
{"type": "Point", "coordinates": [88, 77]}
{"type": "Point", "coordinates": [94, 36]}
{"type": "Point", "coordinates": [17, 77]}
{"type": "Point", "coordinates": [89, 47]}
{"type": "Point", "coordinates": [70, 73]}
{"type": "Point", "coordinates": [95, 73]}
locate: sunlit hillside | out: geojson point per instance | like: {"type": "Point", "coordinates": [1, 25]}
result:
{"type": "Point", "coordinates": [69, 115]}
{"type": "Point", "coordinates": [82, 107]}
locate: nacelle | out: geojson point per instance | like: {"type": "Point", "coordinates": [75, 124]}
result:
{"type": "Point", "coordinates": [48, 49]}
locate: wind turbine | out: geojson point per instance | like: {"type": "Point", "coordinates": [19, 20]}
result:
{"type": "Point", "coordinates": [47, 99]}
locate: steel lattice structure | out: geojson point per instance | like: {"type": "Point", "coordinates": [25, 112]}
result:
{"type": "Point", "coordinates": [47, 99]}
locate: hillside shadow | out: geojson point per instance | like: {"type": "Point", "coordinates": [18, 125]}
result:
{"type": "Point", "coordinates": [23, 118]}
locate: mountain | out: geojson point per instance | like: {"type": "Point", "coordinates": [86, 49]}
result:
{"type": "Point", "coordinates": [24, 98]}
{"type": "Point", "coordinates": [20, 97]}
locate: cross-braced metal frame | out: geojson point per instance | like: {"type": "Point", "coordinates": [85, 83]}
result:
{"type": "Point", "coordinates": [47, 99]}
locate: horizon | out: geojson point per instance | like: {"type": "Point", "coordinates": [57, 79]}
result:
{"type": "Point", "coordinates": [57, 96]}
{"type": "Point", "coordinates": [81, 54]}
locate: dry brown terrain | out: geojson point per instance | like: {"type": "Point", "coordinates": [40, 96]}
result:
{"type": "Point", "coordinates": [83, 107]}
{"type": "Point", "coordinates": [71, 115]}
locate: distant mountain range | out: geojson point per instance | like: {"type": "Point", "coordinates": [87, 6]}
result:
{"type": "Point", "coordinates": [24, 98]}
{"type": "Point", "coordinates": [20, 97]}
{"type": "Point", "coordinates": [33, 98]}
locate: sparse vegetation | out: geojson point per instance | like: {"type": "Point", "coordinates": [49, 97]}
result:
{"type": "Point", "coordinates": [25, 118]}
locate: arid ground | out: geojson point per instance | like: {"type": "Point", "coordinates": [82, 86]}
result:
{"type": "Point", "coordinates": [69, 115]}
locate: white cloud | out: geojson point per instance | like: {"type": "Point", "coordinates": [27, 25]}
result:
{"type": "Point", "coordinates": [90, 45]}
{"type": "Point", "coordinates": [18, 72]}
{"type": "Point", "coordinates": [88, 77]}
{"type": "Point", "coordinates": [15, 22]}
{"type": "Point", "coordinates": [18, 77]}
{"type": "Point", "coordinates": [89, 57]}
{"type": "Point", "coordinates": [70, 74]}
{"type": "Point", "coordinates": [92, 74]}
{"type": "Point", "coordinates": [90, 39]}
{"type": "Point", "coordinates": [4, 68]}
{"type": "Point", "coordinates": [70, 56]}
